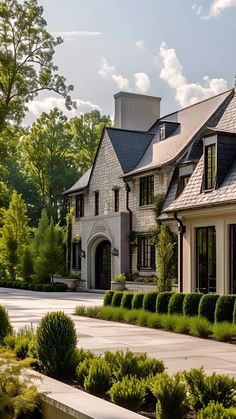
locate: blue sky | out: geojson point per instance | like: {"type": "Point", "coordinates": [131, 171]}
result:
{"type": "Point", "coordinates": [181, 50]}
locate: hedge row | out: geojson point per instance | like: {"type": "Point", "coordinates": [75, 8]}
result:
{"type": "Point", "coordinates": [213, 307]}
{"type": "Point", "coordinates": [58, 287]}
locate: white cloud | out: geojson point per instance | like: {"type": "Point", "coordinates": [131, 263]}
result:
{"type": "Point", "coordinates": [142, 82]}
{"type": "Point", "coordinates": [46, 104]}
{"type": "Point", "coordinates": [197, 9]}
{"type": "Point", "coordinates": [122, 82]}
{"type": "Point", "coordinates": [186, 93]}
{"type": "Point", "coordinates": [218, 6]}
{"type": "Point", "coordinates": [72, 35]}
{"type": "Point", "coordinates": [105, 68]}
{"type": "Point", "coordinates": [140, 44]}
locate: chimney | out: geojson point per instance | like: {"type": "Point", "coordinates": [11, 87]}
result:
{"type": "Point", "coordinates": [136, 112]}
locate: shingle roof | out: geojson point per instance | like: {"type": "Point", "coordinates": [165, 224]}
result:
{"type": "Point", "coordinates": [80, 184]}
{"type": "Point", "coordinates": [191, 120]}
{"type": "Point", "coordinates": [192, 196]}
{"type": "Point", "coordinates": [129, 146]}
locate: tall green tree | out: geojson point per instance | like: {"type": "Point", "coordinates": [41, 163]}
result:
{"type": "Point", "coordinates": [86, 132]}
{"type": "Point", "coordinates": [48, 161]}
{"type": "Point", "coordinates": [167, 258]}
{"type": "Point", "coordinates": [26, 59]}
{"type": "Point", "coordinates": [14, 234]}
{"type": "Point", "coordinates": [51, 256]}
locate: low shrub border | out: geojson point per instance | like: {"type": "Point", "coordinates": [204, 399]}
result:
{"type": "Point", "coordinates": [33, 286]}
{"type": "Point", "coordinates": [207, 306]}
{"type": "Point", "coordinates": [195, 326]}
{"type": "Point", "coordinates": [191, 303]}
{"type": "Point", "coordinates": [225, 308]}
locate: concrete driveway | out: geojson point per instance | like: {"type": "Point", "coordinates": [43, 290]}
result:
{"type": "Point", "coordinates": [178, 352]}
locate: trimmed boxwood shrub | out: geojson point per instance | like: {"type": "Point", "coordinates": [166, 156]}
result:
{"type": "Point", "coordinates": [137, 301]}
{"type": "Point", "coordinates": [191, 303]}
{"type": "Point", "coordinates": [60, 287]}
{"type": "Point", "coordinates": [116, 299]}
{"type": "Point", "coordinates": [207, 306]}
{"type": "Point", "coordinates": [32, 287]}
{"type": "Point", "coordinates": [163, 301]}
{"type": "Point", "coordinates": [126, 301]}
{"type": "Point", "coordinates": [234, 313]}
{"type": "Point", "coordinates": [225, 308]}
{"type": "Point", "coordinates": [108, 297]}
{"type": "Point", "coordinates": [24, 285]}
{"type": "Point", "coordinates": [48, 287]}
{"type": "Point", "coordinates": [9, 284]}
{"type": "Point", "coordinates": [38, 287]}
{"type": "Point", "coordinates": [176, 302]}
{"type": "Point", "coordinates": [149, 301]}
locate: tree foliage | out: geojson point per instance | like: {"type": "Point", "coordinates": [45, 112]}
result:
{"type": "Point", "coordinates": [26, 59]}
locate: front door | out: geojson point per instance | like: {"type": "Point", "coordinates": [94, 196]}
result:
{"type": "Point", "coordinates": [103, 266]}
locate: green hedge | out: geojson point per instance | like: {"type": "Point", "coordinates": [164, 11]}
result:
{"type": "Point", "coordinates": [149, 301]}
{"type": "Point", "coordinates": [108, 298]}
{"type": "Point", "coordinates": [126, 301]}
{"type": "Point", "coordinates": [137, 302]}
{"type": "Point", "coordinates": [163, 301]}
{"type": "Point", "coordinates": [176, 302]}
{"type": "Point", "coordinates": [191, 303]}
{"type": "Point", "coordinates": [207, 306]}
{"type": "Point", "coordinates": [234, 313]}
{"type": "Point", "coordinates": [116, 299]}
{"type": "Point", "coordinates": [32, 286]}
{"type": "Point", "coordinates": [225, 308]}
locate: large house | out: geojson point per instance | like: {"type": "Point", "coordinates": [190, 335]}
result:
{"type": "Point", "coordinates": [142, 156]}
{"type": "Point", "coordinates": [206, 211]}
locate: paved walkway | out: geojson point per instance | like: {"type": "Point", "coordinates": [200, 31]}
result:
{"type": "Point", "coordinates": [178, 352]}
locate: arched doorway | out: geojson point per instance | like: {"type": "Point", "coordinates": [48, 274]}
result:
{"type": "Point", "coordinates": [103, 266]}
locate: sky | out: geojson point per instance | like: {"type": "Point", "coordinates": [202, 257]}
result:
{"type": "Point", "coordinates": [180, 50]}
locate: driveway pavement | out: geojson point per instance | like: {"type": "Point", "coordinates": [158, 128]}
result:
{"type": "Point", "coordinates": [178, 352]}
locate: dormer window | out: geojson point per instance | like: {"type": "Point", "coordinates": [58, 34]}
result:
{"type": "Point", "coordinates": [162, 132]}
{"type": "Point", "coordinates": [210, 166]}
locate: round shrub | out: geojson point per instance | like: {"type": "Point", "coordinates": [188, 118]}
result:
{"type": "Point", "coordinates": [108, 297]}
{"type": "Point", "coordinates": [60, 287]}
{"type": "Point", "coordinates": [32, 287]}
{"type": "Point", "coordinates": [191, 303]}
{"type": "Point", "coordinates": [207, 306]}
{"type": "Point", "coordinates": [176, 302]}
{"type": "Point", "coordinates": [225, 308]}
{"type": "Point", "coordinates": [38, 287]}
{"type": "Point", "coordinates": [48, 288]}
{"type": "Point", "coordinates": [217, 411]}
{"type": "Point", "coordinates": [24, 285]}
{"type": "Point", "coordinates": [129, 393]}
{"type": "Point", "coordinates": [116, 299]}
{"type": "Point", "coordinates": [5, 325]}
{"type": "Point", "coordinates": [126, 301]}
{"type": "Point", "coordinates": [137, 301]}
{"type": "Point", "coordinates": [99, 377]}
{"type": "Point", "coordinates": [56, 344]}
{"type": "Point", "coordinates": [149, 301]}
{"type": "Point", "coordinates": [163, 301]}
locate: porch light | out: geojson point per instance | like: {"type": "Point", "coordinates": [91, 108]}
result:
{"type": "Point", "coordinates": [115, 252]}
{"type": "Point", "coordinates": [82, 253]}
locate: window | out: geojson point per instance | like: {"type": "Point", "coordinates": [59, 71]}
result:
{"type": "Point", "coordinates": [76, 256]}
{"type": "Point", "coordinates": [79, 206]}
{"type": "Point", "coordinates": [206, 259]}
{"type": "Point", "coordinates": [146, 254]}
{"type": "Point", "coordinates": [146, 190]}
{"type": "Point", "coordinates": [96, 203]}
{"type": "Point", "coordinates": [162, 132]}
{"type": "Point", "coordinates": [210, 166]}
{"type": "Point", "coordinates": [232, 288]}
{"type": "Point", "coordinates": [116, 200]}
{"type": "Point", "coordinates": [183, 181]}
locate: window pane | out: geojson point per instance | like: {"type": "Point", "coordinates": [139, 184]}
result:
{"type": "Point", "coordinates": [206, 259]}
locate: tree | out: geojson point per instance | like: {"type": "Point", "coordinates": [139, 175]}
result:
{"type": "Point", "coordinates": [167, 257]}
{"type": "Point", "coordinates": [86, 132]}
{"type": "Point", "coordinates": [26, 59]}
{"type": "Point", "coordinates": [14, 234]}
{"type": "Point", "coordinates": [51, 258]}
{"type": "Point", "coordinates": [40, 232]}
{"type": "Point", "coordinates": [48, 161]}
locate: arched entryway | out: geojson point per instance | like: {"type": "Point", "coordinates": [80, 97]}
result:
{"type": "Point", "coordinates": [103, 266]}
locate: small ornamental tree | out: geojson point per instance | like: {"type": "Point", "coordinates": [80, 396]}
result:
{"type": "Point", "coordinates": [50, 259]}
{"type": "Point", "coordinates": [166, 258]}
{"type": "Point", "coordinates": [15, 233]}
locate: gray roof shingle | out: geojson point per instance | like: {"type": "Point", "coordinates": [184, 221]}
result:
{"type": "Point", "coordinates": [129, 146]}
{"type": "Point", "coordinates": [80, 184]}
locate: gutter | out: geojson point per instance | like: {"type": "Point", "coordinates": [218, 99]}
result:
{"type": "Point", "coordinates": [181, 231]}
{"type": "Point", "coordinates": [127, 188]}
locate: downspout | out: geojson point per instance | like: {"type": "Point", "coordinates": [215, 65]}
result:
{"type": "Point", "coordinates": [127, 188]}
{"type": "Point", "coordinates": [181, 231]}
